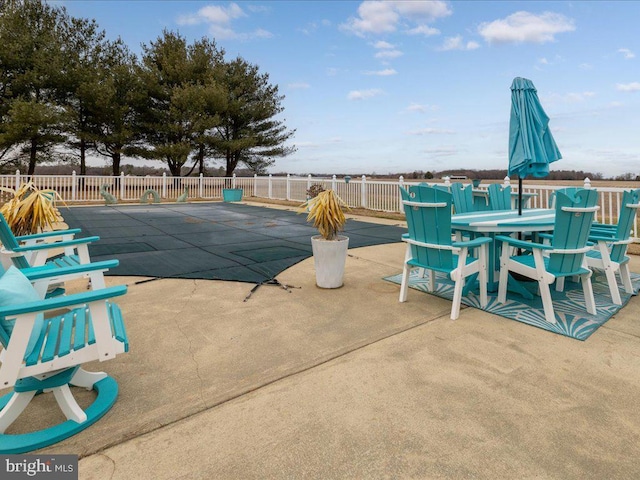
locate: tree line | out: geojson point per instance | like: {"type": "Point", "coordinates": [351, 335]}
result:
{"type": "Point", "coordinates": [501, 173]}
{"type": "Point", "coordinates": [67, 92]}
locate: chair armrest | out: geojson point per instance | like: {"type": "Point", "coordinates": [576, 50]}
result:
{"type": "Point", "coordinates": [49, 246]}
{"type": "Point", "coordinates": [604, 226]}
{"type": "Point", "coordinates": [514, 242]}
{"type": "Point", "coordinates": [476, 242]}
{"type": "Point", "coordinates": [76, 299]}
{"type": "Point", "coordinates": [609, 239]}
{"type": "Point", "coordinates": [39, 273]}
{"type": "Point", "coordinates": [56, 233]}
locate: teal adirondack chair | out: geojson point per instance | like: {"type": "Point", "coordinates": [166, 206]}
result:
{"type": "Point", "coordinates": [31, 253]}
{"type": "Point", "coordinates": [565, 256]}
{"type": "Point", "coordinates": [430, 246]}
{"type": "Point", "coordinates": [46, 355]}
{"type": "Point", "coordinates": [463, 201]}
{"type": "Point", "coordinates": [612, 241]}
{"type": "Point", "coordinates": [33, 250]}
{"type": "Point", "coordinates": [499, 197]}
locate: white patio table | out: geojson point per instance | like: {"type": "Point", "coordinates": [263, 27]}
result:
{"type": "Point", "coordinates": [499, 222]}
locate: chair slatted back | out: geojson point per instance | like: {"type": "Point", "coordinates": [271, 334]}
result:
{"type": "Point", "coordinates": [462, 198]}
{"type": "Point", "coordinates": [499, 197]}
{"type": "Point", "coordinates": [574, 215]}
{"type": "Point", "coordinates": [630, 205]}
{"type": "Point", "coordinates": [428, 214]}
{"type": "Point", "coordinates": [10, 243]}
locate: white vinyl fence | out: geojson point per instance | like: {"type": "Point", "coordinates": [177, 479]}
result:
{"type": "Point", "coordinates": [357, 192]}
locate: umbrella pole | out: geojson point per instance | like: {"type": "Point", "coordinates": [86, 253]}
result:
{"type": "Point", "coordinates": [519, 195]}
{"type": "Point", "coordinates": [519, 207]}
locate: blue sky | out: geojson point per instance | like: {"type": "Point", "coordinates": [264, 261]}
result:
{"type": "Point", "coordinates": [386, 86]}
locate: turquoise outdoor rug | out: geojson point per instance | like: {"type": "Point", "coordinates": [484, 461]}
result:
{"type": "Point", "coordinates": [572, 318]}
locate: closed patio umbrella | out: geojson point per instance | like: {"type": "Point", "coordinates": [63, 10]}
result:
{"type": "Point", "coordinates": [531, 145]}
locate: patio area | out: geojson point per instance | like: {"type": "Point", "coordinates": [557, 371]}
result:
{"type": "Point", "coordinates": [349, 383]}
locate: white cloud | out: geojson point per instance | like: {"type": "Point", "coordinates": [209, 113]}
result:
{"type": "Point", "coordinates": [424, 11]}
{"type": "Point", "coordinates": [457, 43]}
{"type": "Point", "coordinates": [382, 45]}
{"type": "Point", "coordinates": [423, 30]}
{"type": "Point", "coordinates": [382, 73]}
{"type": "Point", "coordinates": [416, 107]}
{"type": "Point", "coordinates": [389, 54]}
{"type": "Point", "coordinates": [364, 94]}
{"type": "Point", "coordinates": [375, 16]}
{"type": "Point", "coordinates": [628, 87]}
{"type": "Point", "coordinates": [585, 66]}
{"type": "Point", "coordinates": [628, 54]}
{"type": "Point", "coordinates": [219, 19]}
{"type": "Point", "coordinates": [213, 14]}
{"type": "Point", "coordinates": [442, 151]}
{"type": "Point", "coordinates": [522, 27]}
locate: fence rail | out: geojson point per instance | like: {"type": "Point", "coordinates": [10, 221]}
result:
{"type": "Point", "coordinates": [358, 192]}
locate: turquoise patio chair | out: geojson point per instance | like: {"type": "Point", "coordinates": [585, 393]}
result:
{"type": "Point", "coordinates": [463, 201]}
{"type": "Point", "coordinates": [499, 197]}
{"type": "Point", "coordinates": [35, 250]}
{"type": "Point", "coordinates": [564, 256]}
{"type": "Point", "coordinates": [46, 354]}
{"type": "Point", "coordinates": [430, 246]}
{"type": "Point", "coordinates": [612, 241]}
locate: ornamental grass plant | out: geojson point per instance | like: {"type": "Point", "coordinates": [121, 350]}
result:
{"type": "Point", "coordinates": [326, 210]}
{"type": "Point", "coordinates": [30, 210]}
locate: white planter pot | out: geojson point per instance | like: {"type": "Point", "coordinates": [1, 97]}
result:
{"type": "Point", "coordinates": [329, 257]}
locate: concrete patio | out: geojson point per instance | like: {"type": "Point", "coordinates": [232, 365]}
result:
{"type": "Point", "coordinates": [349, 383]}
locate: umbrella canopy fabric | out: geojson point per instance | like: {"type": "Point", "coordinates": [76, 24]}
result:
{"type": "Point", "coordinates": [531, 145]}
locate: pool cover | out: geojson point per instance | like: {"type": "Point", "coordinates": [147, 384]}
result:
{"type": "Point", "coordinates": [214, 241]}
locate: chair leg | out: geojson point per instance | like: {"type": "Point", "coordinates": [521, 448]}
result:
{"type": "Point", "coordinates": [547, 302]}
{"type": "Point", "coordinates": [68, 404]}
{"type": "Point", "coordinates": [432, 280]}
{"type": "Point", "coordinates": [625, 276]}
{"type": "Point", "coordinates": [587, 288]}
{"type": "Point", "coordinates": [84, 379]}
{"type": "Point", "coordinates": [457, 298]}
{"type": "Point", "coordinates": [14, 408]}
{"type": "Point", "coordinates": [504, 273]}
{"type": "Point", "coordinates": [406, 270]}
{"type": "Point", "coordinates": [613, 285]}
{"type": "Point", "coordinates": [482, 275]}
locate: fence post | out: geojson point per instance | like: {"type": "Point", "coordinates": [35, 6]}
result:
{"type": "Point", "coordinates": [288, 186]}
{"type": "Point", "coordinates": [164, 184]}
{"type": "Point", "coordinates": [333, 183]}
{"type": "Point", "coordinates": [587, 183]}
{"type": "Point", "coordinates": [255, 184]}
{"type": "Point", "coordinates": [73, 186]}
{"type": "Point", "coordinates": [233, 181]}
{"type": "Point", "coordinates": [200, 186]}
{"type": "Point", "coordinates": [400, 185]}
{"type": "Point", "coordinates": [17, 179]}
{"type": "Point", "coordinates": [363, 192]}
{"type": "Point", "coordinates": [270, 186]}
{"type": "Point", "coordinates": [447, 182]}
{"type": "Point", "coordinates": [507, 182]}
{"type": "Point", "coordinates": [122, 186]}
